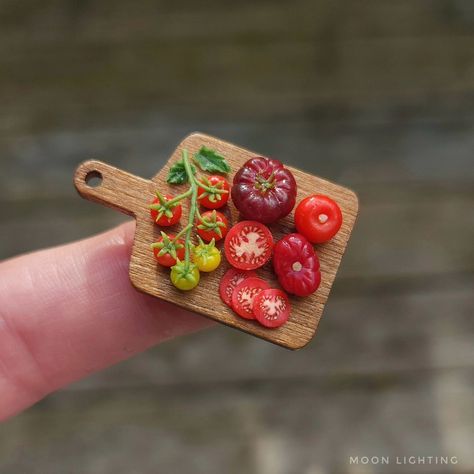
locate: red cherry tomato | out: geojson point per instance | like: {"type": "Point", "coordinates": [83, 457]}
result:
{"type": "Point", "coordinates": [167, 260]}
{"type": "Point", "coordinates": [271, 308]}
{"type": "Point", "coordinates": [318, 218]}
{"type": "Point", "coordinates": [215, 227]}
{"type": "Point", "coordinates": [214, 200]}
{"type": "Point", "coordinates": [296, 265]}
{"type": "Point", "coordinates": [244, 294]}
{"type": "Point", "coordinates": [264, 190]}
{"type": "Point", "coordinates": [230, 280]}
{"type": "Point", "coordinates": [248, 245]}
{"type": "Point", "coordinates": [163, 220]}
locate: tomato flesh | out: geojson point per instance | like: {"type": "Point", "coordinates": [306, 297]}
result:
{"type": "Point", "coordinates": [296, 265]}
{"type": "Point", "coordinates": [318, 218]}
{"type": "Point", "coordinates": [230, 280]}
{"type": "Point", "coordinates": [248, 245]}
{"type": "Point", "coordinates": [263, 189]}
{"type": "Point", "coordinates": [244, 294]}
{"type": "Point", "coordinates": [271, 308]}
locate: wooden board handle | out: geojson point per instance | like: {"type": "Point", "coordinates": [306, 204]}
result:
{"type": "Point", "coordinates": [112, 187]}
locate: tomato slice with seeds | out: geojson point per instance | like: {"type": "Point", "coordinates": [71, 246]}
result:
{"type": "Point", "coordinates": [244, 294]}
{"type": "Point", "coordinates": [248, 245]}
{"type": "Point", "coordinates": [230, 280]}
{"type": "Point", "coordinates": [271, 308]}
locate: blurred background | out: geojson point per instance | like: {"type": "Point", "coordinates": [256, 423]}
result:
{"type": "Point", "coordinates": [376, 95]}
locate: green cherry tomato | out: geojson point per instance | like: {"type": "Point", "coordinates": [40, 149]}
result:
{"type": "Point", "coordinates": [206, 256]}
{"type": "Point", "coordinates": [185, 277]}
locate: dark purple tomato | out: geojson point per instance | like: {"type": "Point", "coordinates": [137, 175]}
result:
{"type": "Point", "coordinates": [296, 265]}
{"type": "Point", "coordinates": [264, 190]}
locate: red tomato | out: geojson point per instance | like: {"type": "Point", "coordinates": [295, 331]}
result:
{"type": "Point", "coordinates": [167, 260]}
{"type": "Point", "coordinates": [163, 220]}
{"type": "Point", "coordinates": [271, 308]}
{"type": "Point", "coordinates": [244, 294]}
{"type": "Point", "coordinates": [264, 190]}
{"type": "Point", "coordinates": [248, 245]}
{"type": "Point", "coordinates": [215, 227]}
{"type": "Point", "coordinates": [296, 265]}
{"type": "Point", "coordinates": [318, 218]}
{"type": "Point", "coordinates": [230, 280]}
{"type": "Point", "coordinates": [213, 200]}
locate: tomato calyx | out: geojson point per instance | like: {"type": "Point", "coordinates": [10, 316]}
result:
{"type": "Point", "coordinates": [211, 223]}
{"type": "Point", "coordinates": [264, 184]}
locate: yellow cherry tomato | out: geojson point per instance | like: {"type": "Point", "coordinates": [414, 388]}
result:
{"type": "Point", "coordinates": [185, 277]}
{"type": "Point", "coordinates": [206, 256]}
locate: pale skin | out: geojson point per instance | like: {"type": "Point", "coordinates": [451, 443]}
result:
{"type": "Point", "coordinates": [69, 311]}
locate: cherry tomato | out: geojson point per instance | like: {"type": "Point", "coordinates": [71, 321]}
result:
{"type": "Point", "coordinates": [248, 245]}
{"type": "Point", "coordinates": [318, 218]}
{"type": "Point", "coordinates": [215, 226]}
{"type": "Point", "coordinates": [185, 277]}
{"type": "Point", "coordinates": [174, 214]}
{"type": "Point", "coordinates": [271, 308]}
{"type": "Point", "coordinates": [230, 280]}
{"type": "Point", "coordinates": [166, 252]}
{"type": "Point", "coordinates": [264, 190]}
{"type": "Point", "coordinates": [244, 294]}
{"type": "Point", "coordinates": [206, 256]}
{"type": "Point", "coordinates": [296, 265]}
{"type": "Point", "coordinates": [215, 198]}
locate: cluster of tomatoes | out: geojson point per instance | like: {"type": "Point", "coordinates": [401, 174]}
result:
{"type": "Point", "coordinates": [211, 226]}
{"type": "Point", "coordinates": [263, 191]}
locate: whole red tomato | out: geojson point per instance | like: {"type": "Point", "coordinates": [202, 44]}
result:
{"type": "Point", "coordinates": [168, 252]}
{"type": "Point", "coordinates": [296, 265]}
{"type": "Point", "coordinates": [164, 220]}
{"type": "Point", "coordinates": [264, 190]}
{"type": "Point", "coordinates": [318, 218]}
{"type": "Point", "coordinates": [214, 225]}
{"type": "Point", "coordinates": [216, 192]}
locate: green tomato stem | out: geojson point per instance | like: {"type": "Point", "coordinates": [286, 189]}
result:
{"type": "Point", "coordinates": [181, 232]}
{"type": "Point", "coordinates": [180, 197]}
{"type": "Point", "coordinates": [192, 211]}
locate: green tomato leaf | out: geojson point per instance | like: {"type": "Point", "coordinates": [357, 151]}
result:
{"type": "Point", "coordinates": [177, 173]}
{"type": "Point", "coordinates": [210, 161]}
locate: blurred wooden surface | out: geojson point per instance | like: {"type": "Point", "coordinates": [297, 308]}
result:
{"type": "Point", "coordinates": [376, 95]}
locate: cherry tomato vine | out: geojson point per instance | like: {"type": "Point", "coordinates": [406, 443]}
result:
{"type": "Point", "coordinates": [211, 225]}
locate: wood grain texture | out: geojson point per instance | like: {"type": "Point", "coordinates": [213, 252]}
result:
{"type": "Point", "coordinates": [131, 195]}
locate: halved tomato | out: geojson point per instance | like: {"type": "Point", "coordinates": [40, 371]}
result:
{"type": "Point", "coordinates": [271, 308]}
{"type": "Point", "coordinates": [244, 294]}
{"type": "Point", "coordinates": [248, 245]}
{"type": "Point", "coordinates": [230, 280]}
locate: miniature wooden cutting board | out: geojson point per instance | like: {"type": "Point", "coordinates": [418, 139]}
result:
{"type": "Point", "coordinates": [132, 195]}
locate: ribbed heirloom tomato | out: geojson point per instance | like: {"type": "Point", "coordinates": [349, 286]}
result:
{"type": "Point", "coordinates": [248, 245]}
{"type": "Point", "coordinates": [318, 218]}
{"type": "Point", "coordinates": [264, 190]}
{"type": "Point", "coordinates": [296, 265]}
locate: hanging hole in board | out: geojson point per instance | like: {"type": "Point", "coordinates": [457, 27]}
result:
{"type": "Point", "coordinates": [93, 179]}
